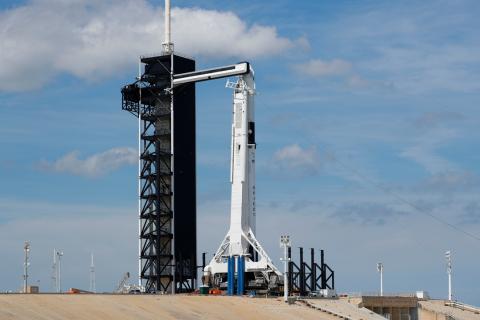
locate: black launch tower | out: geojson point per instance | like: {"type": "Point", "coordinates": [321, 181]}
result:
{"type": "Point", "coordinates": [167, 187]}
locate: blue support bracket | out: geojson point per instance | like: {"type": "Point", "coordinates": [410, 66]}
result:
{"type": "Point", "coordinates": [231, 276]}
{"type": "Point", "coordinates": [241, 276]}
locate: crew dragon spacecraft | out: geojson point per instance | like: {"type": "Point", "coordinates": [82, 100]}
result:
{"type": "Point", "coordinates": [163, 99]}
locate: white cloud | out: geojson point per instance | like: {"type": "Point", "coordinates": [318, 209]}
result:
{"type": "Point", "coordinates": [424, 151]}
{"type": "Point", "coordinates": [428, 159]}
{"type": "Point", "coordinates": [321, 68]}
{"type": "Point", "coordinates": [94, 165]}
{"type": "Point", "coordinates": [298, 159]}
{"type": "Point", "coordinates": [96, 39]}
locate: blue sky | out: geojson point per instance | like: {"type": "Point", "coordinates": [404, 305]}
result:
{"type": "Point", "coordinates": [366, 116]}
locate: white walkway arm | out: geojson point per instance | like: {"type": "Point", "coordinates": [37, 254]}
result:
{"type": "Point", "coordinates": [208, 74]}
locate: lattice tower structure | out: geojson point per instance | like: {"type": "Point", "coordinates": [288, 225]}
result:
{"type": "Point", "coordinates": [167, 177]}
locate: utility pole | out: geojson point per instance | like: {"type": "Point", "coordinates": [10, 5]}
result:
{"type": "Point", "coordinates": [448, 256]}
{"type": "Point", "coordinates": [26, 264]}
{"type": "Point", "coordinates": [285, 244]}
{"type": "Point", "coordinates": [92, 275]}
{"type": "Point", "coordinates": [380, 270]}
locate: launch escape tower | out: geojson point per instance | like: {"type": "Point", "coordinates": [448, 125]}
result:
{"type": "Point", "coordinates": [167, 186]}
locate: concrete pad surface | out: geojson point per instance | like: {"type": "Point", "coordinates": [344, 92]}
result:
{"type": "Point", "coordinates": [146, 307]}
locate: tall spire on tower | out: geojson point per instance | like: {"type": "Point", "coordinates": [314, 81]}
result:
{"type": "Point", "coordinates": [167, 44]}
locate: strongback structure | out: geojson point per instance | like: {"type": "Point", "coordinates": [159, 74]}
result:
{"type": "Point", "coordinates": [167, 186]}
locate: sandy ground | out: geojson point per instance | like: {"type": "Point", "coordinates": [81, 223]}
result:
{"type": "Point", "coordinates": [142, 307]}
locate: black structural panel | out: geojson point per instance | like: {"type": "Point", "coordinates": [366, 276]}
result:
{"type": "Point", "coordinates": [185, 176]}
{"type": "Point", "coordinates": [167, 176]}
{"type": "Point", "coordinates": [305, 279]}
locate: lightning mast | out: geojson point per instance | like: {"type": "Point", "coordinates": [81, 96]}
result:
{"type": "Point", "coordinates": [167, 44]}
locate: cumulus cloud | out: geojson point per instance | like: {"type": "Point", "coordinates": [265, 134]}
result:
{"type": "Point", "coordinates": [95, 39]}
{"type": "Point", "coordinates": [298, 159]}
{"type": "Point", "coordinates": [322, 68]}
{"type": "Point", "coordinates": [93, 166]}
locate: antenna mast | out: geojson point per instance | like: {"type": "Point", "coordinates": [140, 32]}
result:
{"type": "Point", "coordinates": [167, 44]}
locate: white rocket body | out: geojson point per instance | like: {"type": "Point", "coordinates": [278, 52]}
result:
{"type": "Point", "coordinates": [240, 239]}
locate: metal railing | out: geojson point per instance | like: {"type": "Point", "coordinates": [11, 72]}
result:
{"type": "Point", "coordinates": [462, 306]}
{"type": "Point", "coordinates": [377, 294]}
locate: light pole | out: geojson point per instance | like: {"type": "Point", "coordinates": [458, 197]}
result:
{"type": "Point", "coordinates": [54, 271]}
{"type": "Point", "coordinates": [26, 248]}
{"type": "Point", "coordinates": [285, 244]}
{"type": "Point", "coordinates": [448, 256]}
{"type": "Point", "coordinates": [380, 270]}
{"type": "Point", "coordinates": [92, 275]}
{"type": "Point", "coordinates": [59, 274]}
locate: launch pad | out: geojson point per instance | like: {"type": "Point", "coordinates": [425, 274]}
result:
{"type": "Point", "coordinates": [163, 100]}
